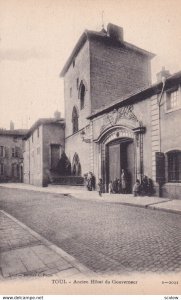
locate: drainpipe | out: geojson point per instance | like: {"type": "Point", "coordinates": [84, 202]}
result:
{"type": "Point", "coordinates": [159, 105]}
{"type": "Point", "coordinates": [159, 112]}
{"type": "Point", "coordinates": [29, 160]}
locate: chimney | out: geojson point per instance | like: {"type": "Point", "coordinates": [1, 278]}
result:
{"type": "Point", "coordinates": [115, 32]}
{"type": "Point", "coordinates": [57, 115]}
{"type": "Point", "coordinates": [11, 125]}
{"type": "Point", "coordinates": [162, 74]}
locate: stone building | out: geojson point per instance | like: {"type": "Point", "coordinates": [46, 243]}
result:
{"type": "Point", "coordinates": [44, 144]}
{"type": "Point", "coordinates": [11, 154]}
{"type": "Point", "coordinates": [115, 118]}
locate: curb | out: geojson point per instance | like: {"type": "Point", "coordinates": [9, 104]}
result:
{"type": "Point", "coordinates": [146, 206]}
{"type": "Point", "coordinates": [165, 210]}
{"type": "Point", "coordinates": [74, 262]}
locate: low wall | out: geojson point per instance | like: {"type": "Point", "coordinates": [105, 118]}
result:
{"type": "Point", "coordinates": [171, 190]}
{"type": "Point", "coordinates": [68, 180]}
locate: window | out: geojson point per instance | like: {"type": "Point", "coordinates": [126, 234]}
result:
{"type": "Point", "coordinates": [75, 125]}
{"type": "Point", "coordinates": [1, 169]}
{"type": "Point", "coordinates": [82, 96]}
{"type": "Point", "coordinates": [17, 151]}
{"type": "Point", "coordinates": [13, 152]}
{"type": "Point", "coordinates": [174, 166]}
{"type": "Point", "coordinates": [1, 151]}
{"type": "Point", "coordinates": [172, 100]}
{"type": "Point", "coordinates": [77, 83]}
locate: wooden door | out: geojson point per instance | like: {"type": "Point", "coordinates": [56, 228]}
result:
{"type": "Point", "coordinates": [113, 162]}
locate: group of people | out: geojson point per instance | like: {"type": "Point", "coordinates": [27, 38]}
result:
{"type": "Point", "coordinates": [90, 181]}
{"type": "Point", "coordinates": [143, 188]}
{"type": "Point", "coordinates": [118, 186]}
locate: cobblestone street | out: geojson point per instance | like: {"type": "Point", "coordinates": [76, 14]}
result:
{"type": "Point", "coordinates": [105, 237]}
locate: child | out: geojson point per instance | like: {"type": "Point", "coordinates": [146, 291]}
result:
{"type": "Point", "coordinates": [100, 187]}
{"type": "Point", "coordinates": [136, 188]}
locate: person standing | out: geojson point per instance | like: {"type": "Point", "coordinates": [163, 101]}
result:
{"type": "Point", "coordinates": [136, 188]}
{"type": "Point", "coordinates": [110, 187]}
{"type": "Point", "coordinates": [100, 187]}
{"type": "Point", "coordinates": [119, 186]}
{"type": "Point", "coordinates": [144, 185]}
{"type": "Point", "coordinates": [89, 181]}
{"type": "Point", "coordinates": [123, 182]}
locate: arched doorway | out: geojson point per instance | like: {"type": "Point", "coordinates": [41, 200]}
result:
{"type": "Point", "coordinates": [120, 156]}
{"type": "Point", "coordinates": [118, 150]}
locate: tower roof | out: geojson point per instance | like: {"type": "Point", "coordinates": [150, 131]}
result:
{"type": "Point", "coordinates": [105, 37]}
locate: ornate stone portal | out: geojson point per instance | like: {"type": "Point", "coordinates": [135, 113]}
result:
{"type": "Point", "coordinates": [121, 126]}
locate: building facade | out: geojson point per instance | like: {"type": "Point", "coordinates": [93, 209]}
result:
{"type": "Point", "coordinates": [115, 119]}
{"type": "Point", "coordinates": [44, 144]}
{"type": "Point", "coordinates": [101, 69]}
{"type": "Point", "coordinates": [11, 155]}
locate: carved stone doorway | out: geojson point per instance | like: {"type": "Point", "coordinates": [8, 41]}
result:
{"type": "Point", "coordinates": [119, 156]}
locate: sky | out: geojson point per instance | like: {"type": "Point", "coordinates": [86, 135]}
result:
{"type": "Point", "coordinates": [37, 37]}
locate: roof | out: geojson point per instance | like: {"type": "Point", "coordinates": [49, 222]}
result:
{"type": "Point", "coordinates": [15, 132]}
{"type": "Point", "coordinates": [139, 95]}
{"type": "Point", "coordinates": [44, 121]}
{"type": "Point", "coordinates": [102, 35]}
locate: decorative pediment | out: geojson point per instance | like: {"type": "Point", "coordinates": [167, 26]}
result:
{"type": "Point", "coordinates": [123, 116]}
{"type": "Point", "coordinates": [127, 112]}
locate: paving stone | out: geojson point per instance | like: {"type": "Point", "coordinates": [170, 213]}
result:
{"type": "Point", "coordinates": [102, 235]}
{"type": "Point", "coordinates": [30, 260]}
{"type": "Point", "coordinates": [11, 264]}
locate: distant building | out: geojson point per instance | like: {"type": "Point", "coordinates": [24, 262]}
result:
{"type": "Point", "coordinates": [44, 144]}
{"type": "Point", "coordinates": [115, 118]}
{"type": "Point", "coordinates": [11, 154]}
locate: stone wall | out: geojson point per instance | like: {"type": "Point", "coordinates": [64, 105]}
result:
{"type": "Point", "coordinates": [116, 72]}
{"type": "Point", "coordinates": [77, 72]}
{"type": "Point", "coordinates": [33, 164]}
{"type": "Point", "coordinates": [52, 134]}
{"type": "Point", "coordinates": [170, 140]}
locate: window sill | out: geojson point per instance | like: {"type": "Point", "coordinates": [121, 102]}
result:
{"type": "Point", "coordinates": [172, 110]}
{"type": "Point", "coordinates": [173, 184]}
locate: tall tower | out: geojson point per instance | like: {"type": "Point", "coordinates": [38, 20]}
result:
{"type": "Point", "coordinates": [101, 69]}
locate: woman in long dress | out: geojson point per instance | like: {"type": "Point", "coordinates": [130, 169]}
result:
{"type": "Point", "coordinates": [123, 182]}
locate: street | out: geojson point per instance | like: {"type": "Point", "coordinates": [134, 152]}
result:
{"type": "Point", "coordinates": [105, 237]}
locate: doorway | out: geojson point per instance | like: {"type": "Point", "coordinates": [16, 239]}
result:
{"type": "Point", "coordinates": [119, 156]}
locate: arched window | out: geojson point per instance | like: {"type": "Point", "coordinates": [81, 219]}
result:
{"type": "Point", "coordinates": [82, 96]}
{"type": "Point", "coordinates": [76, 166]}
{"type": "Point", "coordinates": [174, 166]}
{"type": "Point", "coordinates": [81, 93]}
{"type": "Point", "coordinates": [75, 117]}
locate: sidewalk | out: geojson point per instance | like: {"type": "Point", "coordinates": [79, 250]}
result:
{"type": "Point", "coordinates": [25, 253]}
{"type": "Point", "coordinates": [164, 204]}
